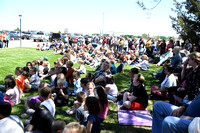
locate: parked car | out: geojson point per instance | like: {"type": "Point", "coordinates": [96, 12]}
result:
{"type": "Point", "coordinates": [14, 36]}
{"type": "Point", "coordinates": [55, 36]}
{"type": "Point", "coordinates": [15, 32]}
{"type": "Point", "coordinates": [89, 38]}
{"type": "Point", "coordinates": [75, 39]}
{"type": "Point", "coordinates": [81, 40]}
{"type": "Point", "coordinates": [26, 35]}
{"type": "Point", "coordinates": [40, 36]}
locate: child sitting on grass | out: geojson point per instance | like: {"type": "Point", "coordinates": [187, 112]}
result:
{"type": "Point", "coordinates": [12, 94]}
{"type": "Point", "coordinates": [58, 126]}
{"type": "Point", "coordinates": [81, 69]}
{"type": "Point", "coordinates": [77, 83]}
{"type": "Point", "coordinates": [81, 114]}
{"type": "Point", "coordinates": [90, 89]}
{"type": "Point", "coordinates": [76, 104]}
{"type": "Point", "coordinates": [138, 99]}
{"type": "Point", "coordinates": [111, 88]}
{"type": "Point", "coordinates": [41, 119]}
{"type": "Point", "coordinates": [120, 68]}
{"type": "Point", "coordinates": [74, 127]}
{"type": "Point", "coordinates": [60, 94]}
{"type": "Point", "coordinates": [45, 94]}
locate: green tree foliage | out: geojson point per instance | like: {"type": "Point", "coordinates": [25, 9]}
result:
{"type": "Point", "coordinates": [17, 29]}
{"type": "Point", "coordinates": [187, 21]}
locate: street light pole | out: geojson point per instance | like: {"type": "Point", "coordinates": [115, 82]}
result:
{"type": "Point", "coordinates": [103, 24]}
{"type": "Point", "coordinates": [20, 16]}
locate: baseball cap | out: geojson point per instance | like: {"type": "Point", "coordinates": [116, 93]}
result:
{"type": "Point", "coordinates": [45, 58]}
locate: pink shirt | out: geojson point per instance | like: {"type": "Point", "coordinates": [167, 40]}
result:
{"type": "Point", "coordinates": [103, 114]}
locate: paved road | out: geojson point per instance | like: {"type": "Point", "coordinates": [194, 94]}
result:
{"type": "Point", "coordinates": [25, 43]}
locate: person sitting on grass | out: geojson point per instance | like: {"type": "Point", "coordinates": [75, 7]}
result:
{"type": "Point", "coordinates": [12, 94]}
{"type": "Point", "coordinates": [132, 72]}
{"type": "Point", "coordinates": [174, 119]}
{"type": "Point", "coordinates": [45, 94]}
{"type": "Point", "coordinates": [90, 89]}
{"type": "Point", "coordinates": [41, 119]}
{"type": "Point", "coordinates": [9, 123]}
{"type": "Point", "coordinates": [58, 126]}
{"type": "Point", "coordinates": [60, 94]}
{"type": "Point", "coordinates": [76, 103]}
{"type": "Point", "coordinates": [100, 75]}
{"type": "Point", "coordinates": [144, 64]}
{"type": "Point", "coordinates": [113, 67]}
{"type": "Point", "coordinates": [111, 88]}
{"type": "Point", "coordinates": [69, 74]}
{"type": "Point", "coordinates": [169, 81]}
{"type": "Point", "coordinates": [77, 83]}
{"type": "Point", "coordinates": [34, 80]}
{"type": "Point", "coordinates": [138, 99]}
{"type": "Point", "coordinates": [90, 77]}
{"type": "Point", "coordinates": [81, 115]}
{"type": "Point", "coordinates": [120, 68]}
{"type": "Point", "coordinates": [74, 127]}
{"type": "Point", "coordinates": [81, 68]}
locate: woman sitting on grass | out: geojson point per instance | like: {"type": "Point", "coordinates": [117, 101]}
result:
{"type": "Point", "coordinates": [138, 99]}
{"type": "Point", "coordinates": [169, 81]}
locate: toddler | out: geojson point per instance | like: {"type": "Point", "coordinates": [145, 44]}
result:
{"type": "Point", "coordinates": [60, 94]}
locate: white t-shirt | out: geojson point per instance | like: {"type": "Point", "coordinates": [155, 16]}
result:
{"type": "Point", "coordinates": [82, 69]}
{"type": "Point", "coordinates": [144, 65]}
{"type": "Point", "coordinates": [13, 96]}
{"type": "Point", "coordinates": [168, 81]}
{"type": "Point", "coordinates": [50, 105]}
{"type": "Point", "coordinates": [113, 89]}
{"type": "Point", "coordinates": [11, 124]}
{"type": "Point", "coordinates": [126, 43]}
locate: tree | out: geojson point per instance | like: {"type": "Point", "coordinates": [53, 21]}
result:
{"type": "Point", "coordinates": [17, 29]}
{"type": "Point", "coordinates": [143, 6]}
{"type": "Point", "coordinates": [66, 30]}
{"type": "Point", "coordinates": [145, 36]}
{"type": "Point", "coordinates": [187, 21]}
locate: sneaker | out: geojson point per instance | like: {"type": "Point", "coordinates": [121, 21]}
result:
{"type": "Point", "coordinates": [154, 75]}
{"type": "Point", "coordinates": [70, 112]}
{"type": "Point", "coordinates": [25, 116]}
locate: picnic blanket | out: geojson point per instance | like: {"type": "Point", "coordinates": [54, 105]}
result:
{"type": "Point", "coordinates": [134, 117]}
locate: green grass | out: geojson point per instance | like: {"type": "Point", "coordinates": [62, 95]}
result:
{"type": "Point", "coordinates": [17, 57]}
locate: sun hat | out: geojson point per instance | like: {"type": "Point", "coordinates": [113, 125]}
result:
{"type": "Point", "coordinates": [184, 51]}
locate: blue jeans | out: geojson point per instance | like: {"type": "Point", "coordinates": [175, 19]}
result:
{"type": "Point", "coordinates": [164, 123]}
{"type": "Point", "coordinates": [112, 98]}
{"type": "Point", "coordinates": [120, 48]}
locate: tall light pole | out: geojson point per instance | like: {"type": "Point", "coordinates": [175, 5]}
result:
{"type": "Point", "coordinates": [20, 16]}
{"type": "Point", "coordinates": [103, 24]}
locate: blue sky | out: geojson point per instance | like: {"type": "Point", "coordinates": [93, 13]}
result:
{"type": "Point", "coordinates": [86, 16]}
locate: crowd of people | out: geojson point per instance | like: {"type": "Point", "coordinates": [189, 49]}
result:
{"type": "Point", "coordinates": [4, 40]}
{"type": "Point", "coordinates": [179, 83]}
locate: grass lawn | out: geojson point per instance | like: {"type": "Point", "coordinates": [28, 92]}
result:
{"type": "Point", "coordinates": [17, 57]}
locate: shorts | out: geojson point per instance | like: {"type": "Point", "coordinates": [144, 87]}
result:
{"type": "Point", "coordinates": [136, 106]}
